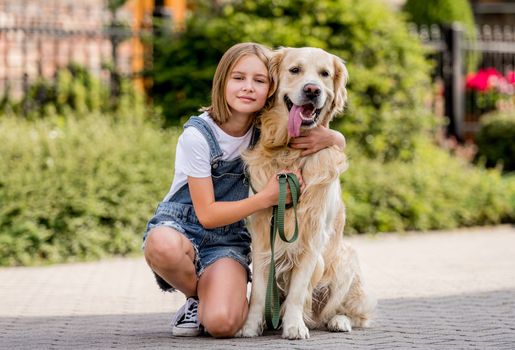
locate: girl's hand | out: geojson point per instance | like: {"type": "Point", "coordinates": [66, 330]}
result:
{"type": "Point", "coordinates": [320, 137]}
{"type": "Point", "coordinates": [271, 189]}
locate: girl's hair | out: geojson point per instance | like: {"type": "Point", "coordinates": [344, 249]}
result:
{"type": "Point", "coordinates": [219, 109]}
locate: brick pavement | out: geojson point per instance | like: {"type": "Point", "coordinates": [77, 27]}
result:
{"type": "Point", "coordinates": [444, 290]}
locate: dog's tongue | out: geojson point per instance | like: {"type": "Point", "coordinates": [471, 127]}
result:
{"type": "Point", "coordinates": [294, 121]}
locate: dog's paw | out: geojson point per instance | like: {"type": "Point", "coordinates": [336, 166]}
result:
{"type": "Point", "coordinates": [339, 323]}
{"type": "Point", "coordinates": [248, 331]}
{"type": "Point", "coordinates": [299, 331]}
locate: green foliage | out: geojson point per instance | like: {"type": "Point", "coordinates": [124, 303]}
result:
{"type": "Point", "coordinates": [115, 4]}
{"type": "Point", "coordinates": [82, 188]}
{"type": "Point", "coordinates": [441, 12]}
{"type": "Point", "coordinates": [79, 188]}
{"type": "Point", "coordinates": [74, 91]}
{"type": "Point", "coordinates": [496, 139]}
{"type": "Point", "coordinates": [81, 182]}
{"type": "Point", "coordinates": [434, 191]}
{"type": "Point", "coordinates": [444, 13]}
{"type": "Point", "coordinates": [388, 71]}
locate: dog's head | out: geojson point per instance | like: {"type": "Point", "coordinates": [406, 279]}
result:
{"type": "Point", "coordinates": [310, 86]}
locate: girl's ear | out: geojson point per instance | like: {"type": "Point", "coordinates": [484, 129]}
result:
{"type": "Point", "coordinates": [340, 80]}
{"type": "Point", "coordinates": [273, 69]}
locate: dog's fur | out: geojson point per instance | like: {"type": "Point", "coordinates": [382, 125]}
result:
{"type": "Point", "coordinates": [318, 275]}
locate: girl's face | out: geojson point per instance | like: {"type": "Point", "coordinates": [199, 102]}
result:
{"type": "Point", "coordinates": [247, 86]}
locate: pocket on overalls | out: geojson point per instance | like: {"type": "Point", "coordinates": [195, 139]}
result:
{"type": "Point", "coordinates": [243, 238]}
{"type": "Point", "coordinates": [196, 233]}
{"type": "Point", "coordinates": [233, 177]}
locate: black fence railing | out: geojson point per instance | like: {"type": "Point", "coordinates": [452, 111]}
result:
{"type": "Point", "coordinates": [477, 75]}
{"type": "Point", "coordinates": [32, 51]}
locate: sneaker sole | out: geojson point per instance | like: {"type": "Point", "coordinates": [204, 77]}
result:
{"type": "Point", "coordinates": [181, 332]}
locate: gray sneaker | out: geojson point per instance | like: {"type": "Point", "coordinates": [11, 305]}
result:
{"type": "Point", "coordinates": [185, 322]}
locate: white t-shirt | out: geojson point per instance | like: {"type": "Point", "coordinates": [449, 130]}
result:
{"type": "Point", "coordinates": [192, 155]}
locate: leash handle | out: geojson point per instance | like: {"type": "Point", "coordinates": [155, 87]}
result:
{"type": "Point", "coordinates": [292, 182]}
{"type": "Point", "coordinates": [272, 301]}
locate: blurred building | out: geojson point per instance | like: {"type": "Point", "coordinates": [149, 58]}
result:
{"type": "Point", "coordinates": [486, 12]}
{"type": "Point", "coordinates": [37, 37]}
{"type": "Point", "coordinates": [494, 12]}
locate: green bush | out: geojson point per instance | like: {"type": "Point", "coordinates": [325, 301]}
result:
{"type": "Point", "coordinates": [441, 12]}
{"type": "Point", "coordinates": [82, 188]}
{"type": "Point", "coordinates": [74, 91]}
{"type": "Point", "coordinates": [434, 191]}
{"type": "Point", "coordinates": [388, 70]}
{"type": "Point", "coordinates": [444, 13]}
{"type": "Point", "coordinates": [79, 188]}
{"type": "Point", "coordinates": [82, 182]}
{"type": "Point", "coordinates": [496, 139]}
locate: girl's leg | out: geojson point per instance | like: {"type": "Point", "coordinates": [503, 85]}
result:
{"type": "Point", "coordinates": [222, 291]}
{"type": "Point", "coordinates": [171, 255]}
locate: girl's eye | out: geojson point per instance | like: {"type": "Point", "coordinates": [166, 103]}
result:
{"type": "Point", "coordinates": [294, 70]}
{"type": "Point", "coordinates": [261, 81]}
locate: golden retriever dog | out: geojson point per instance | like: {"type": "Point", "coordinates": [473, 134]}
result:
{"type": "Point", "coordinates": [318, 275]}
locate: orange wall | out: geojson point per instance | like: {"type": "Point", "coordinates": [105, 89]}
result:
{"type": "Point", "coordinates": [142, 14]}
{"type": "Point", "coordinates": [178, 9]}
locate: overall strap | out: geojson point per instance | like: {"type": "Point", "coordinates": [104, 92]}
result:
{"type": "Point", "coordinates": [202, 126]}
{"type": "Point", "coordinates": [256, 133]}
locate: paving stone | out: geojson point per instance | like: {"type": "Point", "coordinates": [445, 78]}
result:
{"type": "Point", "coordinates": [438, 290]}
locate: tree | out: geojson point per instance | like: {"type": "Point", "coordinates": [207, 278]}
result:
{"type": "Point", "coordinates": [443, 12]}
{"type": "Point", "coordinates": [388, 70]}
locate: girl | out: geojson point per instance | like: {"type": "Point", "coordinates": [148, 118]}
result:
{"type": "Point", "coordinates": [197, 241]}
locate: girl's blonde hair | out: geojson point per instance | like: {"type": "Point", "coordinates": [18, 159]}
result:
{"type": "Point", "coordinates": [219, 109]}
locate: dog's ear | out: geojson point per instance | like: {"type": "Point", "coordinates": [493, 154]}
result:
{"type": "Point", "coordinates": [340, 80]}
{"type": "Point", "coordinates": [273, 69]}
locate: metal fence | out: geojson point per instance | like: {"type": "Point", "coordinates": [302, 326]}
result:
{"type": "Point", "coordinates": [457, 59]}
{"type": "Point", "coordinates": [38, 38]}
{"type": "Point", "coordinates": [34, 45]}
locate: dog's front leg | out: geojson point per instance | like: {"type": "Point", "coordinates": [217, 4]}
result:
{"type": "Point", "coordinates": [254, 324]}
{"type": "Point", "coordinates": [293, 319]}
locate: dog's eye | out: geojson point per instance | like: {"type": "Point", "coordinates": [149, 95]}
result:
{"type": "Point", "coordinates": [324, 73]}
{"type": "Point", "coordinates": [294, 70]}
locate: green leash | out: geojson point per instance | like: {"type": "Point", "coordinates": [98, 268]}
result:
{"type": "Point", "coordinates": [272, 302]}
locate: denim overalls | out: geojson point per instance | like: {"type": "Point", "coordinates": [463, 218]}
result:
{"type": "Point", "coordinates": [230, 184]}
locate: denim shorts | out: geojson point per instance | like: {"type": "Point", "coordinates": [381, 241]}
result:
{"type": "Point", "coordinates": [231, 241]}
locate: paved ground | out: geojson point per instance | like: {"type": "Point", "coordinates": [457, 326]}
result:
{"type": "Point", "coordinates": [445, 290]}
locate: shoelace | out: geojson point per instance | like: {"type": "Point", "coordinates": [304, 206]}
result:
{"type": "Point", "coordinates": [191, 313]}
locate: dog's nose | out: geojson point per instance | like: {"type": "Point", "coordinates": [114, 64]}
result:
{"type": "Point", "coordinates": [312, 91]}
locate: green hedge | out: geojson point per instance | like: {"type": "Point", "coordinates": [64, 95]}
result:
{"type": "Point", "coordinates": [434, 191]}
{"type": "Point", "coordinates": [75, 189]}
{"type": "Point", "coordinates": [74, 91]}
{"type": "Point", "coordinates": [445, 13]}
{"type": "Point", "coordinates": [496, 140]}
{"type": "Point", "coordinates": [84, 188]}
{"type": "Point", "coordinates": [442, 12]}
{"type": "Point", "coordinates": [389, 76]}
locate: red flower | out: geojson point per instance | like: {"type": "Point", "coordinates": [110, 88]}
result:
{"type": "Point", "coordinates": [510, 77]}
{"type": "Point", "coordinates": [483, 80]}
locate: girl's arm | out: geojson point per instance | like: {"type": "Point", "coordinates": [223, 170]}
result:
{"type": "Point", "coordinates": [212, 214]}
{"type": "Point", "coordinates": [318, 138]}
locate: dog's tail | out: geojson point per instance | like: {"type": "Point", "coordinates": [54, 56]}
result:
{"type": "Point", "coordinates": [348, 294]}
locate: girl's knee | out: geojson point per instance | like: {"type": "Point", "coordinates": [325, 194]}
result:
{"type": "Point", "coordinates": [164, 246]}
{"type": "Point", "coordinates": [221, 324]}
